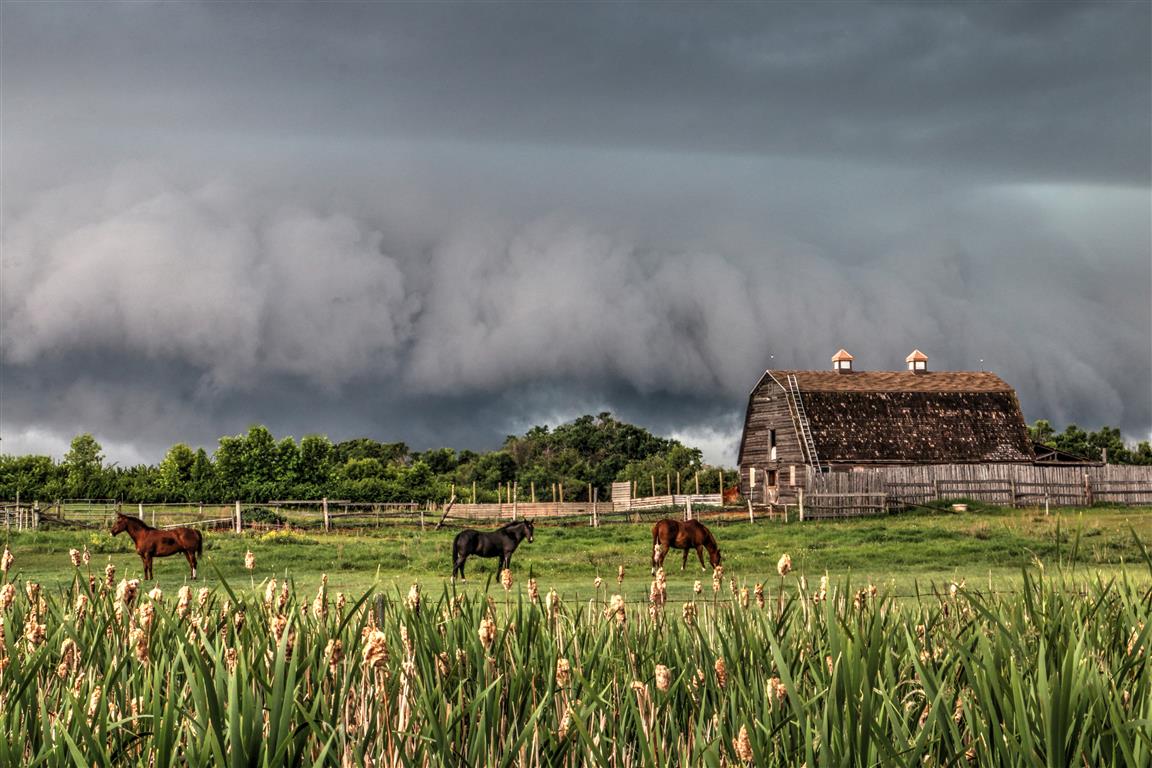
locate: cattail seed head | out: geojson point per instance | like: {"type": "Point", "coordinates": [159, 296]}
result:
{"type": "Point", "coordinates": [413, 599]}
{"type": "Point", "coordinates": [94, 701]}
{"type": "Point", "coordinates": [563, 673]}
{"type": "Point", "coordinates": [110, 574]}
{"type": "Point", "coordinates": [183, 599]}
{"type": "Point", "coordinates": [597, 582]}
{"type": "Point", "coordinates": [689, 613]}
{"type": "Point", "coordinates": [7, 595]}
{"type": "Point", "coordinates": [375, 649]}
{"type": "Point", "coordinates": [742, 746]}
{"type": "Point", "coordinates": [663, 677]}
{"type": "Point", "coordinates": [85, 556]}
{"type": "Point", "coordinates": [743, 597]}
{"type": "Point", "coordinates": [487, 632]}
{"type": "Point", "coordinates": [6, 560]}
{"type": "Point", "coordinates": [138, 638]}
{"type": "Point", "coordinates": [147, 615]}
{"type": "Point", "coordinates": [784, 565]}
{"type": "Point", "coordinates": [202, 597]}
{"type": "Point", "coordinates": [697, 587]}
{"type": "Point", "coordinates": [616, 610]}
{"type": "Point", "coordinates": [776, 690]}
{"type": "Point", "coordinates": [69, 658]}
{"type": "Point", "coordinates": [231, 657]}
{"type": "Point", "coordinates": [533, 591]}
{"type": "Point", "coordinates": [620, 575]}
{"type": "Point", "coordinates": [74, 556]}
{"type": "Point", "coordinates": [759, 591]}
{"type": "Point", "coordinates": [552, 604]}
{"type": "Point", "coordinates": [721, 672]}
{"type": "Point", "coordinates": [506, 579]}
{"type": "Point", "coordinates": [249, 560]}
{"type": "Point", "coordinates": [156, 595]}
{"type": "Point", "coordinates": [81, 608]}
{"type": "Point", "coordinates": [334, 654]}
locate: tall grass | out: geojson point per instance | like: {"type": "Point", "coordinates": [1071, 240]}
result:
{"type": "Point", "coordinates": [839, 675]}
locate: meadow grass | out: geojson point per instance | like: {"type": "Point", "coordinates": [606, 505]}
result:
{"type": "Point", "coordinates": [906, 553]}
{"type": "Point", "coordinates": [793, 670]}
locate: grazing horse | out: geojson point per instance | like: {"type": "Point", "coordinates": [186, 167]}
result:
{"type": "Point", "coordinates": [731, 495]}
{"type": "Point", "coordinates": [673, 534]}
{"type": "Point", "coordinates": [499, 543]}
{"type": "Point", "coordinates": [151, 542]}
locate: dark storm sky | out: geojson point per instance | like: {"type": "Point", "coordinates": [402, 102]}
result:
{"type": "Point", "coordinates": [444, 223]}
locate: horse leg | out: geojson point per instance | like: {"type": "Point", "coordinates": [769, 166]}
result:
{"type": "Point", "coordinates": [147, 566]}
{"type": "Point", "coordinates": [459, 566]}
{"type": "Point", "coordinates": [699, 554]}
{"type": "Point", "coordinates": [191, 561]}
{"type": "Point", "coordinates": [684, 563]}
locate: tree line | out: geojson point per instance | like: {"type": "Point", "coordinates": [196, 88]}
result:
{"type": "Point", "coordinates": [1105, 444]}
{"type": "Point", "coordinates": [591, 451]}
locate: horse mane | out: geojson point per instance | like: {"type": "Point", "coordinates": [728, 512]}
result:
{"type": "Point", "coordinates": [137, 522]}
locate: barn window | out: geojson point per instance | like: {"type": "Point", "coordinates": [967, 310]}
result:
{"type": "Point", "coordinates": [772, 444]}
{"type": "Point", "coordinates": [772, 478]}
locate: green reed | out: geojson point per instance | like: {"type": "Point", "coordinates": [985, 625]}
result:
{"type": "Point", "coordinates": [841, 675]}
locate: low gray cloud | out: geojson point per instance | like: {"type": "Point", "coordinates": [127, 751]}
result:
{"type": "Point", "coordinates": [445, 223]}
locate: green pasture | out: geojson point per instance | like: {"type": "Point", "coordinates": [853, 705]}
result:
{"type": "Point", "coordinates": [988, 548]}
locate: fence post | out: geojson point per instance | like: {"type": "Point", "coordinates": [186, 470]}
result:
{"type": "Point", "coordinates": [324, 506]}
{"type": "Point", "coordinates": [751, 517]}
{"type": "Point", "coordinates": [688, 508]}
{"type": "Point", "coordinates": [1087, 489]}
{"type": "Point", "coordinates": [800, 501]}
{"type": "Point", "coordinates": [238, 521]}
{"type": "Point", "coordinates": [35, 515]}
{"type": "Point", "coordinates": [140, 510]}
{"type": "Point", "coordinates": [596, 507]}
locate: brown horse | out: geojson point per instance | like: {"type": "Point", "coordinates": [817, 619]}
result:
{"type": "Point", "coordinates": [151, 542]}
{"type": "Point", "coordinates": [673, 534]}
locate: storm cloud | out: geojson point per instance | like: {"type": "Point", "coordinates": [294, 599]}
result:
{"type": "Point", "coordinates": [443, 224]}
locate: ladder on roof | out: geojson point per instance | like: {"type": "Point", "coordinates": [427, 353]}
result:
{"type": "Point", "coordinates": [802, 425]}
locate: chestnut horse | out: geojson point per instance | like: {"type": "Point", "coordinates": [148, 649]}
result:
{"type": "Point", "coordinates": [151, 542]}
{"type": "Point", "coordinates": [673, 534]}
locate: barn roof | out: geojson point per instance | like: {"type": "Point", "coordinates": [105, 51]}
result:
{"type": "Point", "coordinates": [914, 417]}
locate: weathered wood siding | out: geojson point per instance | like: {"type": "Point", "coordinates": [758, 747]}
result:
{"type": "Point", "coordinates": [768, 409]}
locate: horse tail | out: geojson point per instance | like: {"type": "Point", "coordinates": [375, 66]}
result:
{"type": "Point", "coordinates": [199, 543]}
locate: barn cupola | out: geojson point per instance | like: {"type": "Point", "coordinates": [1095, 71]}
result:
{"type": "Point", "coordinates": [842, 362]}
{"type": "Point", "coordinates": [917, 361]}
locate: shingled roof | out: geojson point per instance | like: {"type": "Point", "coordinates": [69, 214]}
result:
{"type": "Point", "coordinates": [912, 417]}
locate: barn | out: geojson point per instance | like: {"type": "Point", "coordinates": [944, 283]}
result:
{"type": "Point", "coordinates": [803, 425]}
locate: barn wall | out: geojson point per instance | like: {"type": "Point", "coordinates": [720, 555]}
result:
{"type": "Point", "coordinates": [768, 409]}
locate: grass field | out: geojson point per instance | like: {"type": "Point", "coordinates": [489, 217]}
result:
{"type": "Point", "coordinates": [1046, 667]}
{"type": "Point", "coordinates": [986, 547]}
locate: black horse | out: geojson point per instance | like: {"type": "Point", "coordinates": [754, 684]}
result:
{"type": "Point", "coordinates": [499, 543]}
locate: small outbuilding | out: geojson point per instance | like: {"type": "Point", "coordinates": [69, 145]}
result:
{"type": "Point", "coordinates": [801, 424]}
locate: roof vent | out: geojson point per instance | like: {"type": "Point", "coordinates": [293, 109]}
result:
{"type": "Point", "coordinates": [917, 361]}
{"type": "Point", "coordinates": [842, 362]}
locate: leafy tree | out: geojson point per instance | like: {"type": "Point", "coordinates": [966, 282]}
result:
{"type": "Point", "coordinates": [84, 462]}
{"type": "Point", "coordinates": [175, 471]}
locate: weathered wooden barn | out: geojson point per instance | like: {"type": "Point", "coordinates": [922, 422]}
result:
{"type": "Point", "coordinates": [801, 425]}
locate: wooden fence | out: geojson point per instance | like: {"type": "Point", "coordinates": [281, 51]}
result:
{"type": "Point", "coordinates": [871, 491]}
{"type": "Point", "coordinates": [828, 495]}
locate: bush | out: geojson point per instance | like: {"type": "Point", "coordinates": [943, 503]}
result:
{"type": "Point", "coordinates": [263, 516]}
